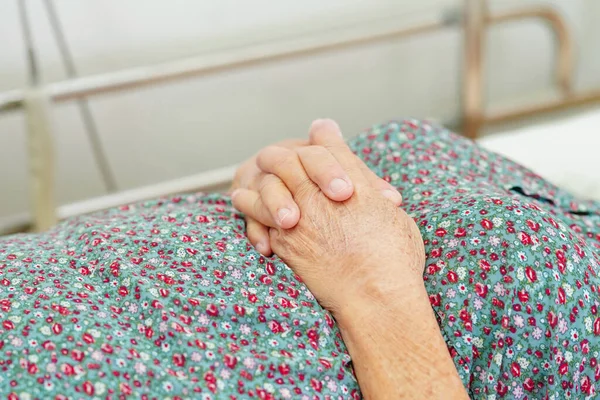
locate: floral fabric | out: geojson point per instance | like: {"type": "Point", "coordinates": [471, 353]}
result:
{"type": "Point", "coordinates": [167, 299]}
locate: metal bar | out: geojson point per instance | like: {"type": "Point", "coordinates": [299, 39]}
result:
{"type": "Point", "coordinates": [39, 135]}
{"type": "Point", "coordinates": [83, 106]}
{"type": "Point", "coordinates": [556, 105]}
{"type": "Point", "coordinates": [209, 64]}
{"type": "Point", "coordinates": [474, 24]}
{"type": "Point", "coordinates": [41, 158]}
{"type": "Point", "coordinates": [564, 54]}
{"type": "Point", "coordinates": [217, 179]}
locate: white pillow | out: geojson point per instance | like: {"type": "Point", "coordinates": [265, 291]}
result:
{"type": "Point", "coordinates": [565, 152]}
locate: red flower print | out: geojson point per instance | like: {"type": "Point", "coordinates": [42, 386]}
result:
{"type": "Point", "coordinates": [88, 388]}
{"type": "Point", "coordinates": [316, 384]}
{"type": "Point", "coordinates": [529, 385]}
{"type": "Point", "coordinates": [531, 274]}
{"type": "Point", "coordinates": [179, 359]}
{"type": "Point", "coordinates": [452, 276]}
{"type": "Point", "coordinates": [212, 310]}
{"type": "Point", "coordinates": [440, 232]}
{"type": "Point", "coordinates": [525, 238]}
{"type": "Point", "coordinates": [487, 224]}
{"type": "Point", "coordinates": [230, 361]}
{"type": "Point", "coordinates": [481, 289]}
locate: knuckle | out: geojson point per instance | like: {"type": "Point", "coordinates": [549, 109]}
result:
{"type": "Point", "coordinates": [269, 183]}
{"type": "Point", "coordinates": [276, 157]}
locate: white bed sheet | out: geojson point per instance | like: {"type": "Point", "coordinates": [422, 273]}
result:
{"type": "Point", "coordinates": [565, 152]}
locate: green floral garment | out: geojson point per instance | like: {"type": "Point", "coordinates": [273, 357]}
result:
{"type": "Point", "coordinates": [168, 300]}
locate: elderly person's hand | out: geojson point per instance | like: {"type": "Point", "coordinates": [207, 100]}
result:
{"type": "Point", "coordinates": [275, 206]}
{"type": "Point", "coordinates": [363, 259]}
{"type": "Point", "coordinates": [365, 245]}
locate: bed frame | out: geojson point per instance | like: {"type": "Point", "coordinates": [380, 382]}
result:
{"type": "Point", "coordinates": [474, 19]}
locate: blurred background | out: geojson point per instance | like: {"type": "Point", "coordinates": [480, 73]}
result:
{"type": "Point", "coordinates": [122, 140]}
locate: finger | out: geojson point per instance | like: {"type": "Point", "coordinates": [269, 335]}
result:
{"type": "Point", "coordinates": [245, 175]}
{"type": "Point", "coordinates": [324, 170]}
{"type": "Point", "coordinates": [251, 205]}
{"type": "Point", "coordinates": [377, 183]}
{"type": "Point", "coordinates": [327, 133]}
{"type": "Point", "coordinates": [279, 201]}
{"type": "Point", "coordinates": [286, 165]}
{"type": "Point", "coordinates": [258, 234]}
{"type": "Point", "coordinates": [247, 172]}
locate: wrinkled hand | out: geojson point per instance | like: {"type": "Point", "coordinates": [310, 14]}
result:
{"type": "Point", "coordinates": [273, 204]}
{"type": "Point", "coordinates": [364, 247]}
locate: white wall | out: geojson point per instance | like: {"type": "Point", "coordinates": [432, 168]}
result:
{"type": "Point", "coordinates": [169, 131]}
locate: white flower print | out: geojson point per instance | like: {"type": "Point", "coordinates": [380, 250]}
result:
{"type": "Point", "coordinates": [168, 386]}
{"type": "Point", "coordinates": [556, 276]}
{"type": "Point", "coordinates": [249, 363]}
{"type": "Point", "coordinates": [568, 289]}
{"type": "Point", "coordinates": [332, 386]}
{"type": "Point", "coordinates": [97, 355]}
{"type": "Point", "coordinates": [140, 368]}
{"type": "Point", "coordinates": [163, 327]}
{"type": "Point", "coordinates": [518, 392]}
{"type": "Point", "coordinates": [225, 326]}
{"type": "Point", "coordinates": [568, 356]}
{"type": "Point", "coordinates": [498, 358]}
{"type": "Point", "coordinates": [494, 241]}
{"type": "Point", "coordinates": [499, 289]}
{"type": "Point", "coordinates": [574, 334]}
{"type": "Point", "coordinates": [518, 321]}
{"type": "Point", "coordinates": [245, 329]}
{"type": "Point", "coordinates": [523, 362]}
{"type": "Point", "coordinates": [225, 374]}
{"type": "Point", "coordinates": [562, 325]}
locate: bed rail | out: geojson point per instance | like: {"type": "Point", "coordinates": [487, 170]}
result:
{"type": "Point", "coordinates": [475, 20]}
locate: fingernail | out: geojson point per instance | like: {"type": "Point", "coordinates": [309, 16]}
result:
{"type": "Point", "coordinates": [235, 193]}
{"type": "Point", "coordinates": [282, 214]}
{"type": "Point", "coordinates": [337, 185]}
{"type": "Point", "coordinates": [392, 195]}
{"type": "Point", "coordinates": [322, 122]}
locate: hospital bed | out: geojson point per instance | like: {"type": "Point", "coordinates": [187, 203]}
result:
{"type": "Point", "coordinates": [473, 20]}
